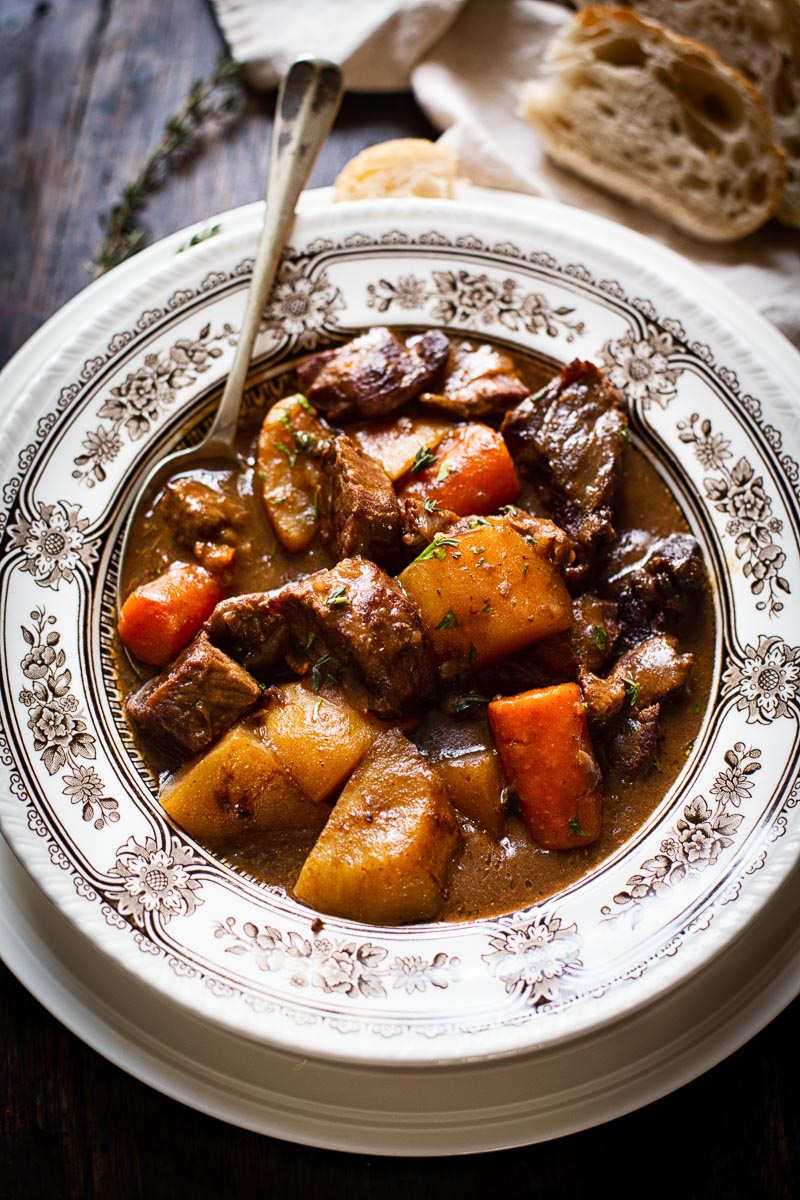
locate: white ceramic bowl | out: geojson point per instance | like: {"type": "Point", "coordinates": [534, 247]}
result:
{"type": "Point", "coordinates": [135, 361]}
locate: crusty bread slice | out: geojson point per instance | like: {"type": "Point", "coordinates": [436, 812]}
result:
{"type": "Point", "coordinates": [401, 167]}
{"type": "Point", "coordinates": [661, 120]}
{"type": "Point", "coordinates": [760, 38]}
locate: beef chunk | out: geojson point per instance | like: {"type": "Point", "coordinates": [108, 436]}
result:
{"type": "Point", "coordinates": [202, 520]}
{"type": "Point", "coordinates": [479, 379]}
{"type": "Point", "coordinates": [652, 580]}
{"type": "Point", "coordinates": [647, 673]}
{"type": "Point", "coordinates": [246, 628]}
{"type": "Point", "coordinates": [567, 439]}
{"type": "Point", "coordinates": [633, 744]}
{"type": "Point", "coordinates": [192, 702]}
{"type": "Point", "coordinates": [595, 630]}
{"type": "Point", "coordinates": [587, 645]}
{"type": "Point", "coordinates": [518, 673]}
{"type": "Point", "coordinates": [356, 620]}
{"type": "Point", "coordinates": [655, 668]}
{"type": "Point", "coordinates": [421, 524]}
{"type": "Point", "coordinates": [603, 698]}
{"type": "Point", "coordinates": [373, 374]}
{"type": "Point", "coordinates": [358, 510]}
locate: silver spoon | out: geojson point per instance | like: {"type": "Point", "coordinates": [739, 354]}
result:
{"type": "Point", "coordinates": [308, 101]}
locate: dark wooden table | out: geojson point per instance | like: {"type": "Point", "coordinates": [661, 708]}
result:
{"type": "Point", "coordinates": [85, 89]}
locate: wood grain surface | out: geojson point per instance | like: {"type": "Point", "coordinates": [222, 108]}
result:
{"type": "Point", "coordinates": [85, 89]}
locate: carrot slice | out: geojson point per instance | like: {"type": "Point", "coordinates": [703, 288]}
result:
{"type": "Point", "coordinates": [543, 741]}
{"type": "Point", "coordinates": [470, 472]}
{"type": "Point", "coordinates": [159, 618]}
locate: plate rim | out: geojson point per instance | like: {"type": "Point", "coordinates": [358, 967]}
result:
{"type": "Point", "coordinates": [47, 972]}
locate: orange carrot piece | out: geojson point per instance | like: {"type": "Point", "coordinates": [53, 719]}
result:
{"type": "Point", "coordinates": [543, 741]}
{"type": "Point", "coordinates": [159, 618]}
{"type": "Point", "coordinates": [473, 473]}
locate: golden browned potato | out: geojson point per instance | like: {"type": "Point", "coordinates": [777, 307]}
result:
{"type": "Point", "coordinates": [385, 853]}
{"type": "Point", "coordinates": [291, 441]}
{"type": "Point", "coordinates": [396, 444]}
{"type": "Point", "coordinates": [475, 784]}
{"type": "Point", "coordinates": [240, 786]}
{"type": "Point", "coordinates": [463, 753]}
{"type": "Point", "coordinates": [318, 735]}
{"type": "Point", "coordinates": [487, 592]}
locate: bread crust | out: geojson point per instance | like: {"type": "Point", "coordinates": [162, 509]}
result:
{"type": "Point", "coordinates": [611, 161]}
{"type": "Point", "coordinates": [759, 38]}
{"type": "Point", "coordinates": [399, 167]}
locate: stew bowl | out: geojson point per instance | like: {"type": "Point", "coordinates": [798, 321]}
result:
{"type": "Point", "coordinates": [136, 367]}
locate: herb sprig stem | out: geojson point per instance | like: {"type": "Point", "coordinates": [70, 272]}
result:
{"type": "Point", "coordinates": [211, 101]}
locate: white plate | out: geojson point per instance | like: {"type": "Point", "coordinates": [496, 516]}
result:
{"type": "Point", "coordinates": [432, 1111]}
{"type": "Point", "coordinates": [120, 378]}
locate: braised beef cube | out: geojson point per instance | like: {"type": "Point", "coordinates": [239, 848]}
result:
{"type": "Point", "coordinates": [421, 521]}
{"type": "Point", "coordinates": [246, 628]}
{"type": "Point", "coordinates": [356, 622]}
{"type": "Point", "coordinates": [595, 630]}
{"type": "Point", "coordinates": [568, 441]}
{"type": "Point", "coordinates": [358, 509]}
{"type": "Point", "coordinates": [603, 698]}
{"type": "Point", "coordinates": [201, 519]}
{"type": "Point", "coordinates": [518, 673]}
{"type": "Point", "coordinates": [309, 367]}
{"type": "Point", "coordinates": [632, 747]}
{"type": "Point", "coordinates": [479, 379]}
{"type": "Point", "coordinates": [373, 374]}
{"type": "Point", "coordinates": [652, 579]}
{"type": "Point", "coordinates": [192, 702]}
{"type": "Point", "coordinates": [588, 645]}
{"type": "Point", "coordinates": [654, 669]}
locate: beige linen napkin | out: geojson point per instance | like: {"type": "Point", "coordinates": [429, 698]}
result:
{"type": "Point", "coordinates": [465, 62]}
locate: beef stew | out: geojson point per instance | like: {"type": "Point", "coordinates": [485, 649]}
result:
{"type": "Point", "coordinates": [457, 640]}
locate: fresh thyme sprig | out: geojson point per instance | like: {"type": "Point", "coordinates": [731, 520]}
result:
{"type": "Point", "coordinates": [214, 100]}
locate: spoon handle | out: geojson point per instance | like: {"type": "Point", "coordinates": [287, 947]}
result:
{"type": "Point", "coordinates": [308, 101]}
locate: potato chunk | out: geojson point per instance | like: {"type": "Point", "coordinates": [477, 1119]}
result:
{"type": "Point", "coordinates": [291, 441]}
{"type": "Point", "coordinates": [397, 443]}
{"type": "Point", "coordinates": [319, 736]}
{"type": "Point", "coordinates": [239, 787]}
{"type": "Point", "coordinates": [487, 592]}
{"type": "Point", "coordinates": [385, 853]}
{"type": "Point", "coordinates": [463, 754]}
{"type": "Point", "coordinates": [475, 784]}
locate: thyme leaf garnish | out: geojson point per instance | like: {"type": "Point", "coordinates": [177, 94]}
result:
{"type": "Point", "coordinates": [448, 621]}
{"type": "Point", "coordinates": [197, 238]}
{"type": "Point", "coordinates": [282, 448]}
{"type": "Point", "coordinates": [437, 549]}
{"type": "Point", "coordinates": [575, 826]}
{"type": "Point", "coordinates": [316, 672]}
{"type": "Point", "coordinates": [465, 703]}
{"type": "Point", "coordinates": [422, 459]}
{"type": "Point", "coordinates": [338, 598]}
